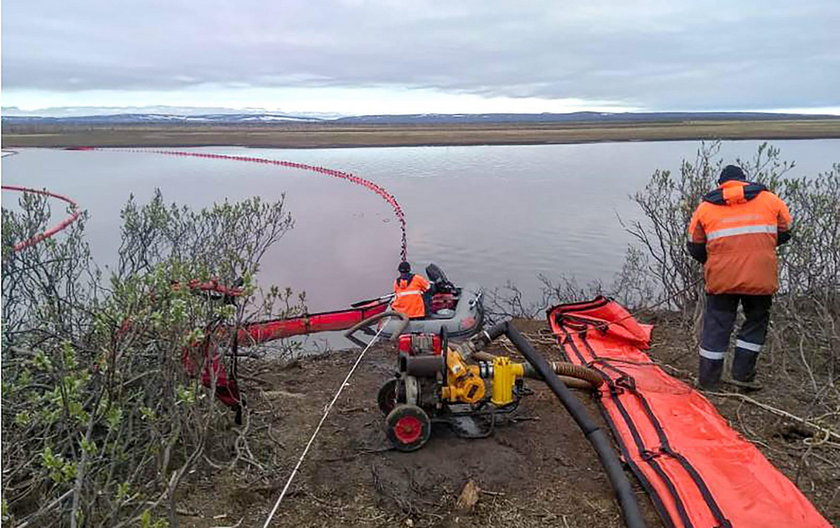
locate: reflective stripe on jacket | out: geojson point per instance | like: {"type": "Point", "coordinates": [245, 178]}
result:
{"type": "Point", "coordinates": [408, 296]}
{"type": "Point", "coordinates": [739, 223]}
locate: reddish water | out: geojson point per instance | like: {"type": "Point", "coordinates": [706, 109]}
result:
{"type": "Point", "coordinates": [484, 214]}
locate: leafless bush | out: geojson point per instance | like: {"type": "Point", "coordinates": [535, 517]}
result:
{"type": "Point", "coordinates": [659, 272]}
{"type": "Point", "coordinates": [667, 203]}
{"type": "Point", "coordinates": [101, 422]}
{"type": "Point", "coordinates": [804, 331]}
{"type": "Point", "coordinates": [510, 302]}
{"type": "Point", "coordinates": [808, 304]}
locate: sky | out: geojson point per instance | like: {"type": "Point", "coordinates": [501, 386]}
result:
{"type": "Point", "coordinates": [421, 56]}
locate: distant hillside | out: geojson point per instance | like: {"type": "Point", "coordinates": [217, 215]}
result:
{"type": "Point", "coordinates": [269, 118]}
{"type": "Point", "coordinates": [575, 117]}
{"type": "Point", "coordinates": [162, 118]}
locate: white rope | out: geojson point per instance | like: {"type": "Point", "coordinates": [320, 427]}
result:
{"type": "Point", "coordinates": [317, 429]}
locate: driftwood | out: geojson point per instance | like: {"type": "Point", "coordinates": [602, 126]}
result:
{"type": "Point", "coordinates": [469, 496]}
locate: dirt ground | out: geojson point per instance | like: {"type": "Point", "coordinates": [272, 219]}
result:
{"type": "Point", "coordinates": [538, 470]}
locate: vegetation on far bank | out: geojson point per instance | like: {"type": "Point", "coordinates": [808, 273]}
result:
{"type": "Point", "coordinates": [396, 135]}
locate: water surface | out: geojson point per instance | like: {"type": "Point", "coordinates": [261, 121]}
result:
{"type": "Point", "coordinates": [488, 214]}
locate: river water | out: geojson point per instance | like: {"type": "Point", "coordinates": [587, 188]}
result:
{"type": "Point", "coordinates": [489, 214]}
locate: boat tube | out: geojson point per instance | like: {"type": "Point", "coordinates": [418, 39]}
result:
{"type": "Point", "coordinates": [263, 331]}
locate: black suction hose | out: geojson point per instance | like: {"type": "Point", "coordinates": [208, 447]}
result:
{"type": "Point", "coordinates": [596, 436]}
{"type": "Point", "coordinates": [372, 319]}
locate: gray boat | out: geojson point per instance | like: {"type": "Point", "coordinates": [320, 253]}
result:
{"type": "Point", "coordinates": [460, 322]}
{"type": "Point", "coordinates": [458, 311]}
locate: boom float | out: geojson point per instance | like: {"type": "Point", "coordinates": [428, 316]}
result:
{"type": "Point", "coordinates": [72, 217]}
{"type": "Point", "coordinates": [352, 178]}
{"type": "Point", "coordinates": [459, 309]}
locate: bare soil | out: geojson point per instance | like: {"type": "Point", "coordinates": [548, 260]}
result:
{"type": "Point", "coordinates": [391, 135]}
{"type": "Point", "coordinates": [535, 471]}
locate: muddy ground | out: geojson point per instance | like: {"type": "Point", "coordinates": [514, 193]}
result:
{"type": "Point", "coordinates": [536, 471]}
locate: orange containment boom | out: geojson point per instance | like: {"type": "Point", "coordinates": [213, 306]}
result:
{"type": "Point", "coordinates": [40, 237]}
{"type": "Point", "coordinates": [699, 472]}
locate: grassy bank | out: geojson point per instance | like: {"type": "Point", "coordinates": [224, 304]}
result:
{"type": "Point", "coordinates": [326, 135]}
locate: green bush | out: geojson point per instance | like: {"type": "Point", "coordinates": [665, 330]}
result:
{"type": "Point", "coordinates": [100, 419]}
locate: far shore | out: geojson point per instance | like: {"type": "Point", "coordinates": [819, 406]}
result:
{"type": "Point", "coordinates": [388, 135]}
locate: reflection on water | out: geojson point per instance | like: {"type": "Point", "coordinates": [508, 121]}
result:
{"type": "Point", "coordinates": [488, 214]}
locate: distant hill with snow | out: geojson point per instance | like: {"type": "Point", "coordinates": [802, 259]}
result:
{"type": "Point", "coordinates": [266, 118]}
{"type": "Point", "coordinates": [161, 118]}
{"type": "Point", "coordinates": [574, 117]}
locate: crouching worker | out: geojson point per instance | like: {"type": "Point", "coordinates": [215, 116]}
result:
{"type": "Point", "coordinates": [409, 292]}
{"type": "Point", "coordinates": [734, 233]}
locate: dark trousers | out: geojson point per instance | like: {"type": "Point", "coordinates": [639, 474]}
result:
{"type": "Point", "coordinates": [718, 322]}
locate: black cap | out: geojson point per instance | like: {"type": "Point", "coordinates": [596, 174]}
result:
{"type": "Point", "coordinates": [732, 172]}
{"type": "Point", "coordinates": [404, 267]}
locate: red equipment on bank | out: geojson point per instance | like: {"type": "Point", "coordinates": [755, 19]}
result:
{"type": "Point", "coordinates": [698, 471]}
{"type": "Point", "coordinates": [214, 373]}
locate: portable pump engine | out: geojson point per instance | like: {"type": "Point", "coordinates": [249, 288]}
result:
{"type": "Point", "coordinates": [460, 384]}
{"type": "Point", "coordinates": [434, 383]}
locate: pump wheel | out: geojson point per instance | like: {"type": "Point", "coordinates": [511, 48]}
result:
{"type": "Point", "coordinates": [387, 397]}
{"type": "Point", "coordinates": [408, 427]}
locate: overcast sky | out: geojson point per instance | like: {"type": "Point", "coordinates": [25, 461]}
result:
{"type": "Point", "coordinates": [411, 56]}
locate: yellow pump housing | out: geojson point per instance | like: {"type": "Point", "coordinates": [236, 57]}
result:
{"type": "Point", "coordinates": [505, 373]}
{"type": "Point", "coordinates": [463, 382]}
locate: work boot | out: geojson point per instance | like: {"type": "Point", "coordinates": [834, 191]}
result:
{"type": "Point", "coordinates": [744, 386]}
{"type": "Point", "coordinates": [743, 365]}
{"type": "Point", "coordinates": [701, 388]}
{"type": "Point", "coordinates": [709, 373]}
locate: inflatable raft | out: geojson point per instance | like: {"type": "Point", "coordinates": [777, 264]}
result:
{"type": "Point", "coordinates": [459, 313]}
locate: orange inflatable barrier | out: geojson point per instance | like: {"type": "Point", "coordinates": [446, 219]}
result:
{"type": "Point", "coordinates": [699, 472]}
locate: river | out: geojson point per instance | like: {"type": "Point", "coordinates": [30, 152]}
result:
{"type": "Point", "coordinates": [489, 214]}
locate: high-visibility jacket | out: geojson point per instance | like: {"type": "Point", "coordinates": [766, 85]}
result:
{"type": "Point", "coordinates": [408, 295]}
{"type": "Point", "coordinates": [737, 228]}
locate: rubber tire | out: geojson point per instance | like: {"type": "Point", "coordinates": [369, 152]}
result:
{"type": "Point", "coordinates": [387, 397]}
{"type": "Point", "coordinates": [404, 411]}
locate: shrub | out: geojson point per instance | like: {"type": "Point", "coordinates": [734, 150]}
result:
{"type": "Point", "coordinates": [101, 421]}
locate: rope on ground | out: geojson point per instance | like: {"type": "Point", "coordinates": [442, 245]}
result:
{"type": "Point", "coordinates": [824, 430]}
{"type": "Point", "coordinates": [318, 428]}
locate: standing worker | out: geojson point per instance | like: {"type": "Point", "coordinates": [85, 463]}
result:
{"type": "Point", "coordinates": [734, 232]}
{"type": "Point", "coordinates": [408, 292]}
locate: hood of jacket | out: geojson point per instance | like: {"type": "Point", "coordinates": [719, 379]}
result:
{"type": "Point", "coordinates": [734, 192]}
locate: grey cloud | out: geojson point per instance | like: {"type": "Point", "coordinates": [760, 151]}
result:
{"type": "Point", "coordinates": [659, 55]}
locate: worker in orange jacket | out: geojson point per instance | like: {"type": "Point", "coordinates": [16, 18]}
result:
{"type": "Point", "coordinates": [409, 290]}
{"type": "Point", "coordinates": [734, 232]}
